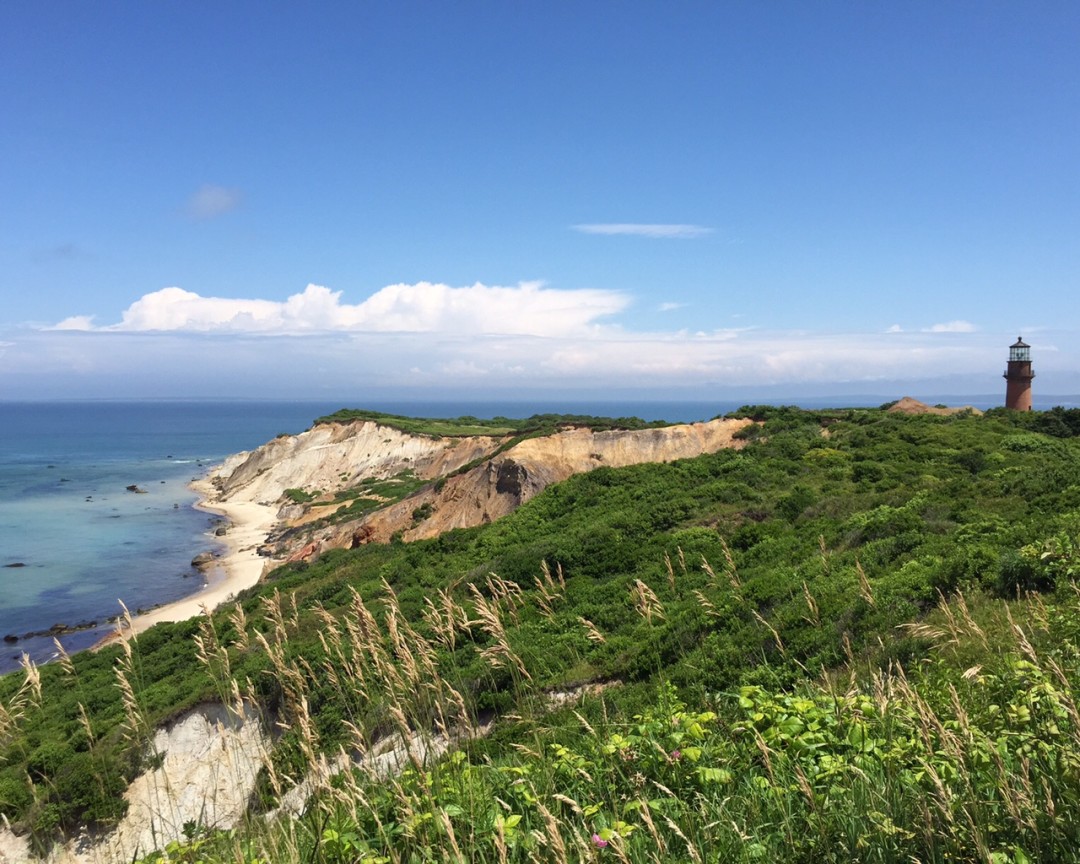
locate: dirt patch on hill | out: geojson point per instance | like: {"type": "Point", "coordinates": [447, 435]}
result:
{"type": "Point", "coordinates": [907, 405]}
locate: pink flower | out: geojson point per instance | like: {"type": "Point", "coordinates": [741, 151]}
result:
{"type": "Point", "coordinates": [676, 755]}
{"type": "Point", "coordinates": [598, 841]}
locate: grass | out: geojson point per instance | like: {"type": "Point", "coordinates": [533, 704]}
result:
{"type": "Point", "coordinates": [538, 424]}
{"type": "Point", "coordinates": [362, 498]}
{"type": "Point", "coordinates": [942, 762]}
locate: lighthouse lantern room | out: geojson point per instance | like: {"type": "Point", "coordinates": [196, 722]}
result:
{"type": "Point", "coordinates": [1018, 375]}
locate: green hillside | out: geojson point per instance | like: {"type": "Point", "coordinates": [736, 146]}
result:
{"type": "Point", "coordinates": [855, 639]}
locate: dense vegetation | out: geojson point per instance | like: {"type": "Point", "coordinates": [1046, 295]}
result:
{"type": "Point", "coordinates": [362, 497]}
{"type": "Point", "coordinates": [822, 645]}
{"type": "Point", "coordinates": [537, 424]}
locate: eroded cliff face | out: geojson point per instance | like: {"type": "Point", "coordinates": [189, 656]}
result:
{"type": "Point", "coordinates": [332, 458]}
{"type": "Point", "coordinates": [335, 456]}
{"type": "Point", "coordinates": [506, 481]}
{"type": "Point", "coordinates": [209, 761]}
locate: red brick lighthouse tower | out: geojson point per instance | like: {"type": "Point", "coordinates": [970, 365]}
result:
{"type": "Point", "coordinates": [1018, 377]}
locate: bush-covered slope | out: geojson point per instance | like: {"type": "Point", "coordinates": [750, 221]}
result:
{"type": "Point", "coordinates": [756, 569]}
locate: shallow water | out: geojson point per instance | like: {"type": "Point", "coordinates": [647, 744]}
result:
{"type": "Point", "coordinates": [84, 542]}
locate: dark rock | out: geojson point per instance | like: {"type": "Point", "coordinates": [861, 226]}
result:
{"type": "Point", "coordinates": [203, 560]}
{"type": "Point", "coordinates": [15, 564]}
{"type": "Point", "coordinates": [11, 638]}
{"type": "Point", "coordinates": [362, 536]}
{"type": "Point", "coordinates": [135, 489]}
{"type": "Point", "coordinates": [221, 532]}
{"type": "Point", "coordinates": [511, 479]}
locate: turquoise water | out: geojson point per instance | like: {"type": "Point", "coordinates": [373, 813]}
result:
{"type": "Point", "coordinates": [84, 542]}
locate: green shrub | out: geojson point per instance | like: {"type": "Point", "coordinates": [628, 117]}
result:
{"type": "Point", "coordinates": [300, 496]}
{"type": "Point", "coordinates": [1018, 574]}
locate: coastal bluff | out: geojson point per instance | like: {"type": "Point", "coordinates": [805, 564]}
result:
{"type": "Point", "coordinates": [296, 496]}
{"type": "Point", "coordinates": [313, 479]}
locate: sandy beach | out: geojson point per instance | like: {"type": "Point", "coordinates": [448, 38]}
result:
{"type": "Point", "coordinates": [239, 567]}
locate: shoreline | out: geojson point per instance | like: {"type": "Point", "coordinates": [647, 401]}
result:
{"type": "Point", "coordinates": [240, 566]}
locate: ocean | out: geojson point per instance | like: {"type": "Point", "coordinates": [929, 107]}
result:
{"type": "Point", "coordinates": [74, 541]}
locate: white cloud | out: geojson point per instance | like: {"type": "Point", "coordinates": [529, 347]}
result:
{"type": "Point", "coordinates": [76, 322]}
{"type": "Point", "coordinates": [430, 335]}
{"type": "Point", "coordinates": [281, 364]}
{"type": "Point", "coordinates": [952, 327]}
{"type": "Point", "coordinates": [525, 309]}
{"type": "Point", "coordinates": [637, 229]}
{"type": "Point", "coordinates": [670, 307]}
{"type": "Point", "coordinates": [210, 201]}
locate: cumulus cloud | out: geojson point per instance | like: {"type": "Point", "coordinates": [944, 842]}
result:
{"type": "Point", "coordinates": [210, 201]}
{"type": "Point", "coordinates": [521, 338]}
{"type": "Point", "coordinates": [76, 322]}
{"type": "Point", "coordinates": [424, 307]}
{"type": "Point", "coordinates": [952, 327]}
{"type": "Point", "coordinates": [637, 229]}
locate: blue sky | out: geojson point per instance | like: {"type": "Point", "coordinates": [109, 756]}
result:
{"type": "Point", "coordinates": [677, 199]}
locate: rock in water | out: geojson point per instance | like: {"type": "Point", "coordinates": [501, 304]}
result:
{"type": "Point", "coordinates": [203, 560]}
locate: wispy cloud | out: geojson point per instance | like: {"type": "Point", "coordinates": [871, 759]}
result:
{"type": "Point", "coordinates": [946, 327]}
{"type": "Point", "coordinates": [210, 201]}
{"type": "Point", "coordinates": [670, 307]}
{"type": "Point", "coordinates": [591, 357]}
{"type": "Point", "coordinates": [952, 327]}
{"type": "Point", "coordinates": [638, 229]}
{"type": "Point", "coordinates": [62, 252]}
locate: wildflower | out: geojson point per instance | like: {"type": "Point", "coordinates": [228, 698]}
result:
{"type": "Point", "coordinates": [598, 841]}
{"type": "Point", "coordinates": [676, 755]}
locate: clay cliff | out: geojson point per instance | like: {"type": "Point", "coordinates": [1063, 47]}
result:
{"type": "Point", "coordinates": [463, 481]}
{"type": "Point", "coordinates": [330, 457]}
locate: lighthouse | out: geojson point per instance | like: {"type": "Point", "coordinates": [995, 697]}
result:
{"type": "Point", "coordinates": [1018, 377]}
